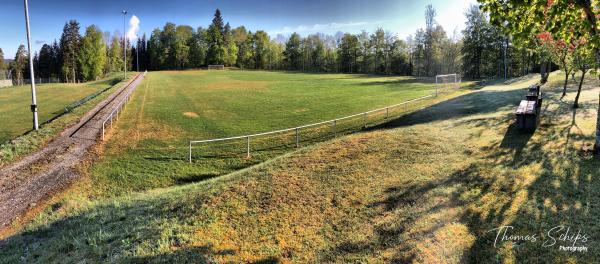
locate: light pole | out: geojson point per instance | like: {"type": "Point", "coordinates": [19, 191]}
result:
{"type": "Point", "coordinates": [32, 74]}
{"type": "Point", "coordinates": [137, 55]}
{"type": "Point", "coordinates": [124, 47]}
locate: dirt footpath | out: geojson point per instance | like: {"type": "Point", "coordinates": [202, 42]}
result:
{"type": "Point", "coordinates": [37, 176]}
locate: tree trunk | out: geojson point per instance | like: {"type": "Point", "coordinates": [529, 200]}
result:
{"type": "Point", "coordinates": [544, 71]}
{"type": "Point", "coordinates": [576, 104]}
{"type": "Point", "coordinates": [566, 83]}
{"type": "Point", "coordinates": [597, 143]}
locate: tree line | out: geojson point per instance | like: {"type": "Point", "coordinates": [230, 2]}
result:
{"type": "Point", "coordinates": [73, 58]}
{"type": "Point", "coordinates": [481, 50]}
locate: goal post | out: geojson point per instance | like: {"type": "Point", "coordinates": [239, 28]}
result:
{"type": "Point", "coordinates": [447, 82]}
{"type": "Point", "coordinates": [216, 67]}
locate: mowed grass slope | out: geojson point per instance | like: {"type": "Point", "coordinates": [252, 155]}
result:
{"type": "Point", "coordinates": [15, 112]}
{"type": "Point", "coordinates": [149, 147]}
{"type": "Point", "coordinates": [427, 187]}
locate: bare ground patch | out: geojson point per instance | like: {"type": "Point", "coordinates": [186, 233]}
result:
{"type": "Point", "coordinates": [191, 114]}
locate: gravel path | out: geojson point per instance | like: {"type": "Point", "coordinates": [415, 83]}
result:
{"type": "Point", "coordinates": [37, 176]}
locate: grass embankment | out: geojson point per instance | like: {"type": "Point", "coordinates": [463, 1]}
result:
{"type": "Point", "coordinates": [149, 147]}
{"type": "Point", "coordinates": [58, 108]}
{"type": "Point", "coordinates": [427, 187]}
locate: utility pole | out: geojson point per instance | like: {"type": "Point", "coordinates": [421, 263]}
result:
{"type": "Point", "coordinates": [137, 55]}
{"type": "Point", "coordinates": [124, 46]}
{"type": "Point", "coordinates": [32, 74]}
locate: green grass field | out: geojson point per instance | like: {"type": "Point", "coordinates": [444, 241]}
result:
{"type": "Point", "coordinates": [149, 147]}
{"type": "Point", "coordinates": [426, 187]}
{"type": "Point", "coordinates": [52, 101]}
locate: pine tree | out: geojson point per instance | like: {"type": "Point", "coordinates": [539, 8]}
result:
{"type": "Point", "coordinates": [216, 48]}
{"type": "Point", "coordinates": [56, 65]}
{"type": "Point", "coordinates": [69, 46]}
{"type": "Point", "coordinates": [473, 42]}
{"type": "Point", "coordinates": [45, 62]}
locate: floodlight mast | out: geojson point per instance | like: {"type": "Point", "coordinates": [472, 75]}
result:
{"type": "Point", "coordinates": [124, 46]}
{"type": "Point", "coordinates": [32, 74]}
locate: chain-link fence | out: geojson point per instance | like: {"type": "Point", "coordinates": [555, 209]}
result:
{"type": "Point", "coordinates": [37, 81]}
{"type": "Point", "coordinates": [5, 79]}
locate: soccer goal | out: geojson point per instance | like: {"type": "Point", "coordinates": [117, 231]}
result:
{"type": "Point", "coordinates": [446, 82]}
{"type": "Point", "coordinates": [216, 67]}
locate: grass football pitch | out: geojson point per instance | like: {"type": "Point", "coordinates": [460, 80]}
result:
{"type": "Point", "coordinates": [149, 147]}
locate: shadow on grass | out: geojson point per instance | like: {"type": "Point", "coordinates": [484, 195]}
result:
{"type": "Point", "coordinates": [520, 181]}
{"type": "Point", "coordinates": [479, 102]}
{"type": "Point", "coordinates": [517, 180]}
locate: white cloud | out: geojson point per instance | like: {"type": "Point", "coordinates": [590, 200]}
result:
{"type": "Point", "coordinates": [318, 28]}
{"type": "Point", "coordinates": [134, 27]}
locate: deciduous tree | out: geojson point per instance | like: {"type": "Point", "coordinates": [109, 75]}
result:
{"type": "Point", "coordinates": [92, 54]}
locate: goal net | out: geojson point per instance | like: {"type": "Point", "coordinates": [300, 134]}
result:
{"type": "Point", "coordinates": [216, 67]}
{"type": "Point", "coordinates": [447, 82]}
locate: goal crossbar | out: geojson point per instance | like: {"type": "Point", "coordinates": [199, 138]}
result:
{"type": "Point", "coordinates": [456, 77]}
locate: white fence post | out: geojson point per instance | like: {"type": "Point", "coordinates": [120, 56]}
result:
{"type": "Point", "coordinates": [190, 156]}
{"type": "Point", "coordinates": [365, 126]}
{"type": "Point", "coordinates": [334, 128]}
{"type": "Point", "coordinates": [248, 147]}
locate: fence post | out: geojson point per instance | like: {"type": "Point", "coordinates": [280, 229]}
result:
{"type": "Point", "coordinates": [297, 138]}
{"type": "Point", "coordinates": [247, 147]}
{"type": "Point", "coordinates": [111, 117]}
{"type": "Point", "coordinates": [365, 126]}
{"type": "Point", "coordinates": [387, 112]}
{"type": "Point", "coordinates": [190, 155]}
{"type": "Point", "coordinates": [334, 128]}
{"type": "Point", "coordinates": [103, 131]}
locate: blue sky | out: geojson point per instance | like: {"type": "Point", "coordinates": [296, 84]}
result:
{"type": "Point", "coordinates": [309, 16]}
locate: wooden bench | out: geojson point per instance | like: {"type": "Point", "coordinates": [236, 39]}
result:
{"type": "Point", "coordinates": [527, 115]}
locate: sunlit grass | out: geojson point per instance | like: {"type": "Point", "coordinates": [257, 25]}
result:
{"type": "Point", "coordinates": [52, 99]}
{"type": "Point", "coordinates": [54, 118]}
{"type": "Point", "coordinates": [427, 188]}
{"type": "Point", "coordinates": [149, 147]}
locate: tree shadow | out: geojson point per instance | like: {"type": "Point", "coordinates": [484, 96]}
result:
{"type": "Point", "coordinates": [475, 103]}
{"type": "Point", "coordinates": [521, 180]}
{"type": "Point", "coordinates": [112, 231]}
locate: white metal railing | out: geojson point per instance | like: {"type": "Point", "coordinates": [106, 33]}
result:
{"type": "Point", "coordinates": [114, 114]}
{"type": "Point", "coordinates": [299, 128]}
{"type": "Point", "coordinates": [457, 81]}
